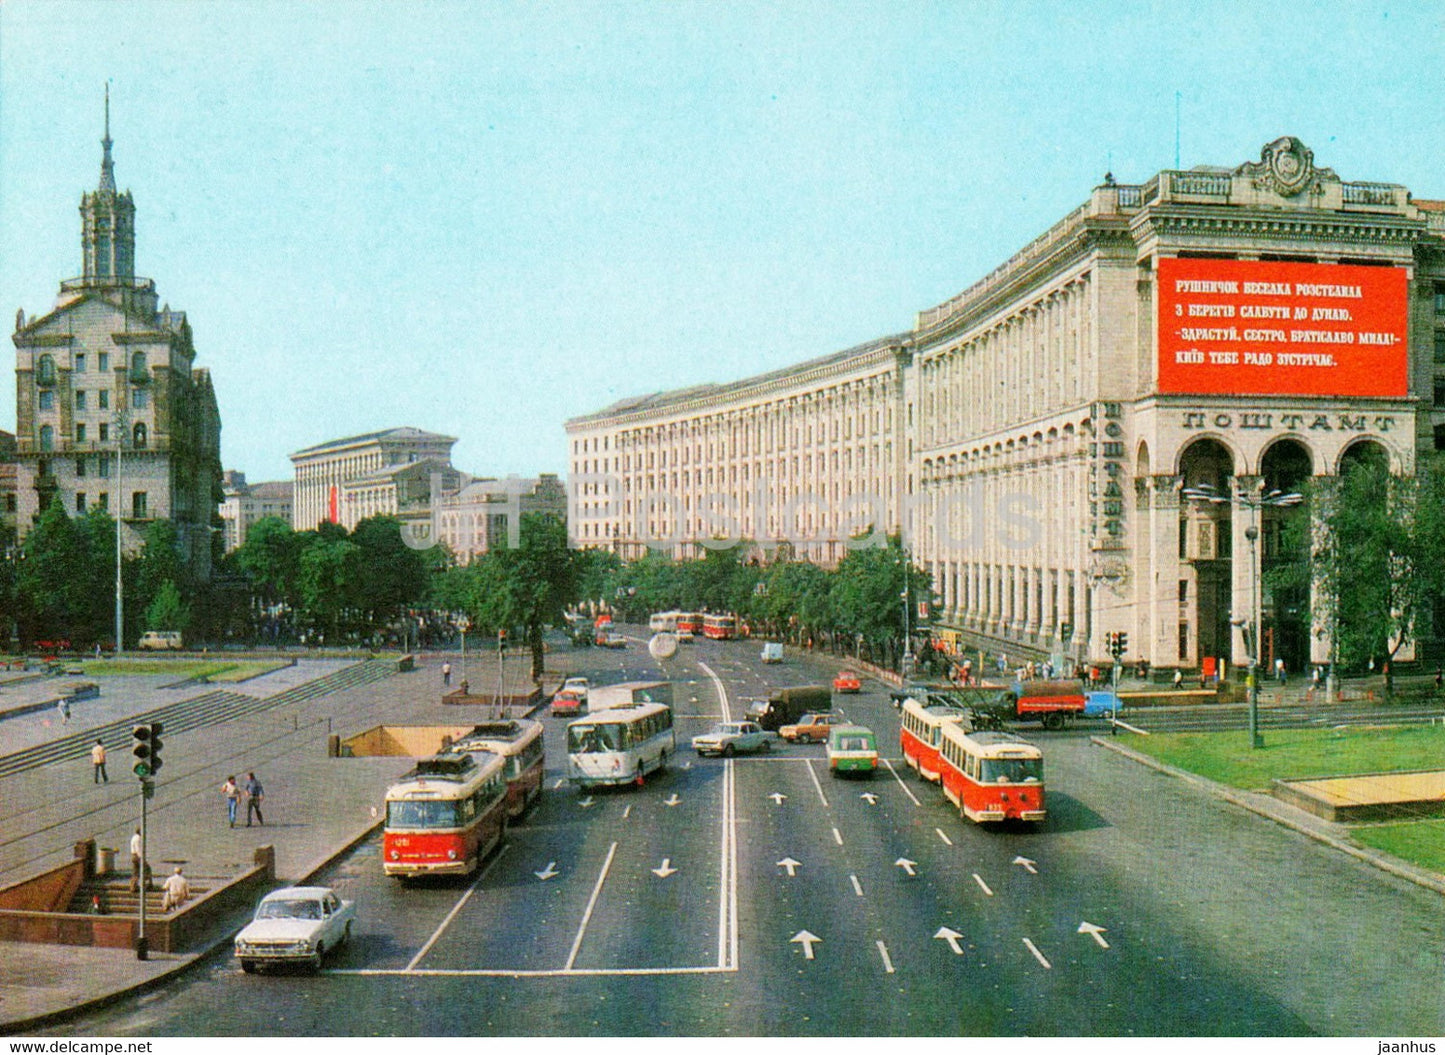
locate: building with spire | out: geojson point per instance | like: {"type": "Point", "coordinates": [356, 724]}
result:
{"type": "Point", "coordinates": [110, 408]}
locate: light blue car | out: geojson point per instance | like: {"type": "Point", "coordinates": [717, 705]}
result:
{"type": "Point", "coordinates": [1102, 704]}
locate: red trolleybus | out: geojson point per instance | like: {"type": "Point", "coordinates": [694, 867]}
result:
{"type": "Point", "coordinates": [719, 627]}
{"type": "Point", "coordinates": [922, 733]}
{"type": "Point", "coordinates": [519, 742]}
{"type": "Point", "coordinates": [445, 815]}
{"type": "Point", "coordinates": [690, 623]}
{"type": "Point", "coordinates": [991, 775]}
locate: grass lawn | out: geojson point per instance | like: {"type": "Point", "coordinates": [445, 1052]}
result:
{"type": "Point", "coordinates": [1300, 753]}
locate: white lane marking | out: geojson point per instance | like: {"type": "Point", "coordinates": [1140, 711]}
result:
{"type": "Point", "coordinates": [887, 962]}
{"type": "Point", "coordinates": [627, 812]}
{"type": "Point", "coordinates": [869, 798]}
{"type": "Point", "coordinates": [591, 904]}
{"type": "Point", "coordinates": [778, 798]}
{"type": "Point", "coordinates": [1094, 931]}
{"type": "Point", "coordinates": [727, 925]}
{"type": "Point", "coordinates": [1037, 955]}
{"type": "Point", "coordinates": [979, 880]}
{"type": "Point", "coordinates": [790, 865]}
{"type": "Point", "coordinates": [902, 785]}
{"type": "Point", "coordinates": [522, 972]}
{"type": "Point", "coordinates": [951, 936]}
{"type": "Point", "coordinates": [807, 940]}
{"type": "Point", "coordinates": [857, 886]}
{"type": "Point", "coordinates": [1028, 865]}
{"type": "Point", "coordinates": [907, 865]}
{"type": "Point", "coordinates": [813, 773]}
{"type": "Point", "coordinates": [560, 782]}
{"type": "Point", "coordinates": [944, 837]}
{"type": "Point", "coordinates": [837, 837]}
{"type": "Point", "coordinates": [481, 874]}
{"type": "Point", "coordinates": [548, 872]}
{"type": "Point", "coordinates": [673, 801]}
{"type": "Point", "coordinates": [666, 869]}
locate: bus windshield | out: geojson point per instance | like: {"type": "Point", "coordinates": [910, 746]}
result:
{"type": "Point", "coordinates": [589, 739]}
{"type": "Point", "coordinates": [421, 814]}
{"type": "Point", "coordinates": [1012, 770]}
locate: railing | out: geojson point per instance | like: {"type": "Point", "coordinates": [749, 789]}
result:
{"type": "Point", "coordinates": [1200, 184]}
{"type": "Point", "coordinates": [1131, 197]}
{"type": "Point", "coordinates": [143, 285]}
{"type": "Point", "coordinates": [1371, 194]}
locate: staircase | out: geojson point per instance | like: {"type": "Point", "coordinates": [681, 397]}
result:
{"type": "Point", "coordinates": [117, 898]}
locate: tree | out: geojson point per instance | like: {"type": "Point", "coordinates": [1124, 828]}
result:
{"type": "Point", "coordinates": [392, 576]}
{"type": "Point", "coordinates": [328, 574]}
{"type": "Point", "coordinates": [167, 611]}
{"type": "Point", "coordinates": [53, 579]}
{"type": "Point", "coordinates": [271, 558]}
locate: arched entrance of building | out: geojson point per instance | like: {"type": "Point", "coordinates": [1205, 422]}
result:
{"type": "Point", "coordinates": [1286, 467]}
{"type": "Point", "coordinates": [1205, 533]}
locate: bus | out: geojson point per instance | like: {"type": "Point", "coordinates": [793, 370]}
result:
{"type": "Point", "coordinates": [620, 745]}
{"type": "Point", "coordinates": [445, 815]}
{"type": "Point", "coordinates": [519, 742]}
{"type": "Point", "coordinates": [992, 775]}
{"type": "Point", "coordinates": [663, 622]}
{"type": "Point", "coordinates": [719, 627]}
{"type": "Point", "coordinates": [921, 733]}
{"type": "Point", "coordinates": [690, 623]}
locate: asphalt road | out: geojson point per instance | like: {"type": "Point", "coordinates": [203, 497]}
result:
{"type": "Point", "coordinates": [760, 897]}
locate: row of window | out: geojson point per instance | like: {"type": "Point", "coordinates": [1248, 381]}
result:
{"type": "Point", "coordinates": [45, 366]}
{"type": "Point", "coordinates": [139, 505]}
{"type": "Point", "coordinates": [140, 435]}
{"type": "Point", "coordinates": [46, 399]}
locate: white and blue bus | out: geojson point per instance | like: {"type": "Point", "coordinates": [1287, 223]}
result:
{"type": "Point", "coordinates": [619, 745]}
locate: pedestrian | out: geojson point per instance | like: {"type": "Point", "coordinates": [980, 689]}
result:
{"type": "Point", "coordinates": [135, 861]}
{"type": "Point", "coordinates": [1439, 676]}
{"type": "Point", "coordinates": [446, 673]}
{"type": "Point", "coordinates": [1315, 677]}
{"type": "Point", "coordinates": [175, 890]}
{"type": "Point", "coordinates": [232, 794]}
{"type": "Point", "coordinates": [1178, 677]}
{"type": "Point", "coordinates": [64, 708]}
{"type": "Point", "coordinates": [254, 794]}
{"type": "Point", "coordinates": [1279, 669]}
{"type": "Point", "coordinates": [97, 760]}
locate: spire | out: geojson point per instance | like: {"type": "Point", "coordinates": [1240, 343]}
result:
{"type": "Point", "coordinates": [107, 166]}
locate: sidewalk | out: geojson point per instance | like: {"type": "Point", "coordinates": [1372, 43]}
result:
{"type": "Point", "coordinates": [317, 808]}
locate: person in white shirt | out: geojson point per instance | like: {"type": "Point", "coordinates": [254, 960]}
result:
{"type": "Point", "coordinates": [176, 890]}
{"type": "Point", "coordinates": [135, 861]}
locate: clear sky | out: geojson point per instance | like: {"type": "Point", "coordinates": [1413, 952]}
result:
{"type": "Point", "coordinates": [482, 219]}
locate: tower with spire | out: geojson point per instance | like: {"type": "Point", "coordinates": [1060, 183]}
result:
{"type": "Point", "coordinates": [110, 409]}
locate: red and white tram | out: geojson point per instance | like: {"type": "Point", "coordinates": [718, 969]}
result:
{"type": "Point", "coordinates": [922, 734]}
{"type": "Point", "coordinates": [992, 776]}
{"type": "Point", "coordinates": [690, 623]}
{"type": "Point", "coordinates": [719, 627]}
{"type": "Point", "coordinates": [519, 742]}
{"type": "Point", "coordinates": [445, 815]}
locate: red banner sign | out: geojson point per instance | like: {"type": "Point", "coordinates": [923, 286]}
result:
{"type": "Point", "coordinates": [1253, 327]}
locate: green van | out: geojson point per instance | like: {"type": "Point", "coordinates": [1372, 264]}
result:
{"type": "Point", "coordinates": [852, 749]}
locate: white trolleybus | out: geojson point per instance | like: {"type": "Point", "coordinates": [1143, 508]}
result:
{"type": "Point", "coordinates": [991, 775]}
{"type": "Point", "coordinates": [620, 745]}
{"type": "Point", "coordinates": [519, 742]}
{"type": "Point", "coordinates": [445, 815]}
{"type": "Point", "coordinates": [921, 734]}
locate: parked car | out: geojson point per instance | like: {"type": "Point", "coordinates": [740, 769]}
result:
{"type": "Point", "coordinates": [684, 637]}
{"type": "Point", "coordinates": [852, 749]}
{"type": "Point", "coordinates": [568, 702]}
{"type": "Point", "coordinates": [577, 685]}
{"type": "Point", "coordinates": [160, 641]}
{"type": "Point", "coordinates": [847, 681]}
{"type": "Point", "coordinates": [733, 738]}
{"type": "Point", "coordinates": [811, 728]}
{"type": "Point", "coordinates": [612, 640]}
{"type": "Point", "coordinates": [295, 925]}
{"type": "Point", "coordinates": [772, 652]}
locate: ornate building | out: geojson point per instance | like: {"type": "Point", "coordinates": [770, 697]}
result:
{"type": "Point", "coordinates": [1241, 328]}
{"type": "Point", "coordinates": [347, 480]}
{"type": "Point", "coordinates": [243, 504]}
{"type": "Point", "coordinates": [110, 409]}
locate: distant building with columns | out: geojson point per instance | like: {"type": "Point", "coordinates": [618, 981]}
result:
{"type": "Point", "coordinates": [347, 480]}
{"type": "Point", "coordinates": [1246, 328]}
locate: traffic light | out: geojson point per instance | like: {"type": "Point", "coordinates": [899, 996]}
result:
{"type": "Point", "coordinates": [147, 749]}
{"type": "Point", "coordinates": [1122, 639]}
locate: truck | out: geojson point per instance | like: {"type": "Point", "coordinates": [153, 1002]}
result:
{"type": "Point", "coordinates": [787, 705]}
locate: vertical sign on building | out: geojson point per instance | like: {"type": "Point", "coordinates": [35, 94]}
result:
{"type": "Point", "coordinates": [333, 511]}
{"type": "Point", "coordinates": [1106, 475]}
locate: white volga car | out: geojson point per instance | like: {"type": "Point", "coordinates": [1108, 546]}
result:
{"type": "Point", "coordinates": [298, 924]}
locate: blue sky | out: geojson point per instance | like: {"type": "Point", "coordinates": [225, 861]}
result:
{"type": "Point", "coordinates": [482, 219]}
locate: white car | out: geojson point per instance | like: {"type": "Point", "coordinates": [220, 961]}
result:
{"type": "Point", "coordinates": [732, 738]}
{"type": "Point", "coordinates": [578, 686]}
{"type": "Point", "coordinates": [298, 924]}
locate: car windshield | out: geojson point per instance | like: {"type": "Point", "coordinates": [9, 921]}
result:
{"type": "Point", "coordinates": [1013, 770]}
{"type": "Point", "coordinates": [290, 909]}
{"type": "Point", "coordinates": [724, 730]}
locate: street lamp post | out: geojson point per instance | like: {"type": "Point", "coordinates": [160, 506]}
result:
{"type": "Point", "coordinates": [122, 424]}
{"type": "Point", "coordinates": [905, 662]}
{"type": "Point", "coordinates": [1249, 625]}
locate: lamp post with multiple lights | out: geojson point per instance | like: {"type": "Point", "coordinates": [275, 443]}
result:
{"type": "Point", "coordinates": [1250, 625]}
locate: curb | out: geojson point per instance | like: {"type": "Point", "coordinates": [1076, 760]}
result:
{"type": "Point", "coordinates": [184, 962]}
{"type": "Point", "coordinates": [1383, 862]}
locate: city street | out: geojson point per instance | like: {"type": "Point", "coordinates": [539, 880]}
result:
{"type": "Point", "coordinates": [760, 896]}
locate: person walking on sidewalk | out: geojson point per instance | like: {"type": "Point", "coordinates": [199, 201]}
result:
{"type": "Point", "coordinates": [64, 708]}
{"type": "Point", "coordinates": [135, 862]}
{"type": "Point", "coordinates": [254, 794]}
{"type": "Point", "coordinates": [232, 794]}
{"type": "Point", "coordinates": [176, 889]}
{"type": "Point", "coordinates": [446, 673]}
{"type": "Point", "coordinates": [97, 760]}
{"type": "Point", "coordinates": [1178, 678]}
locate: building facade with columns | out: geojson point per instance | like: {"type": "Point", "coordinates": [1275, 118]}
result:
{"type": "Point", "coordinates": [1245, 328]}
{"type": "Point", "coordinates": [111, 410]}
{"type": "Point", "coordinates": [344, 481]}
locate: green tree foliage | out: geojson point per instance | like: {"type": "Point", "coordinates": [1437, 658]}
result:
{"type": "Point", "coordinates": [391, 576]}
{"type": "Point", "coordinates": [66, 577]}
{"type": "Point", "coordinates": [328, 579]}
{"type": "Point", "coordinates": [271, 559]}
{"type": "Point", "coordinates": [167, 611]}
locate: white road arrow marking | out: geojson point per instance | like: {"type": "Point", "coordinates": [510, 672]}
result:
{"type": "Point", "coordinates": [1038, 955]}
{"type": "Point", "coordinates": [586, 803]}
{"type": "Point", "coordinates": [979, 880]}
{"type": "Point", "coordinates": [869, 798]}
{"type": "Point", "coordinates": [548, 872]}
{"type": "Point", "coordinates": [778, 798]}
{"type": "Point", "coordinates": [1028, 865]}
{"type": "Point", "coordinates": [951, 936]}
{"type": "Point", "coordinates": [672, 801]}
{"type": "Point", "coordinates": [807, 940]}
{"type": "Point", "coordinates": [666, 869]}
{"type": "Point", "coordinates": [791, 865]}
{"type": "Point", "coordinates": [1094, 931]}
{"type": "Point", "coordinates": [907, 865]}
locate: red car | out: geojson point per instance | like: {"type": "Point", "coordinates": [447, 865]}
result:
{"type": "Point", "coordinates": [568, 702]}
{"type": "Point", "coordinates": [847, 681]}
